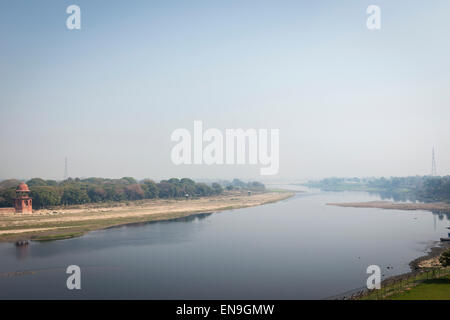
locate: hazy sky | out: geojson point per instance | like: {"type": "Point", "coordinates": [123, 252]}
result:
{"type": "Point", "coordinates": [348, 101]}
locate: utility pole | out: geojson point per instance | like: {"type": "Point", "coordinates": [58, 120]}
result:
{"type": "Point", "coordinates": [66, 171]}
{"type": "Point", "coordinates": [433, 164]}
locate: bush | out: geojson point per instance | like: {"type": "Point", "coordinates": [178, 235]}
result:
{"type": "Point", "coordinates": [444, 259]}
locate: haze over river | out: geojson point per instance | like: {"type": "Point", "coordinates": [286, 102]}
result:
{"type": "Point", "coordinates": [298, 248]}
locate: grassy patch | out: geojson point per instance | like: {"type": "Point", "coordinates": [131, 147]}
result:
{"type": "Point", "coordinates": [58, 236]}
{"type": "Point", "coordinates": [435, 289]}
{"type": "Point", "coordinates": [426, 285]}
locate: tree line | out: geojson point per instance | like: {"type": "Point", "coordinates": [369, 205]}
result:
{"type": "Point", "coordinates": [49, 193]}
{"type": "Point", "coordinates": [421, 188]}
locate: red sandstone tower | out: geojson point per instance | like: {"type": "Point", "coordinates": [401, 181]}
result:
{"type": "Point", "coordinates": [23, 202]}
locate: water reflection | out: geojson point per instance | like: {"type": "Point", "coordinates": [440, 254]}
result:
{"type": "Point", "coordinates": [22, 249]}
{"type": "Point", "coordinates": [199, 216]}
{"type": "Point", "coordinates": [162, 233]}
{"type": "Point", "coordinates": [400, 196]}
{"type": "Point", "coordinates": [396, 196]}
{"type": "Point", "coordinates": [409, 197]}
{"type": "Point", "coordinates": [442, 215]}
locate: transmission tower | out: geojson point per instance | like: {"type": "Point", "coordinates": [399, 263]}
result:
{"type": "Point", "coordinates": [66, 171]}
{"type": "Point", "coordinates": [433, 164]}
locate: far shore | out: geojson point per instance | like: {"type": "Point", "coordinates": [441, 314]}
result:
{"type": "Point", "coordinates": [68, 222]}
{"type": "Point", "coordinates": [432, 206]}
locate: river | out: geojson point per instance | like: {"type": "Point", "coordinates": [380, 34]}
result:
{"type": "Point", "coordinates": [298, 248]}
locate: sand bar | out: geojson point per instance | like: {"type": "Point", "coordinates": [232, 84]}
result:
{"type": "Point", "coordinates": [433, 206]}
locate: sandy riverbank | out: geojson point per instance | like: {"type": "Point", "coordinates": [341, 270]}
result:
{"type": "Point", "coordinates": [61, 223]}
{"type": "Point", "coordinates": [433, 206]}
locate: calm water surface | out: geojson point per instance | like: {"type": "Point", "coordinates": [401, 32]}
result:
{"type": "Point", "coordinates": [299, 248]}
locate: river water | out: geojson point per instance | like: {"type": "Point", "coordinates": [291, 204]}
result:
{"type": "Point", "coordinates": [298, 248]}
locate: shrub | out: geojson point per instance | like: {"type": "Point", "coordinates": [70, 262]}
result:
{"type": "Point", "coordinates": [444, 259]}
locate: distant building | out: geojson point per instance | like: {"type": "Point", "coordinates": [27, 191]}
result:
{"type": "Point", "coordinates": [23, 202]}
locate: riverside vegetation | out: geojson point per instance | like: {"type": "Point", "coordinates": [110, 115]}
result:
{"type": "Point", "coordinates": [50, 193]}
{"type": "Point", "coordinates": [75, 206]}
{"type": "Point", "coordinates": [417, 188]}
{"type": "Point", "coordinates": [427, 283]}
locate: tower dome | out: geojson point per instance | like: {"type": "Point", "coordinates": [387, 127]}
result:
{"type": "Point", "coordinates": [23, 187]}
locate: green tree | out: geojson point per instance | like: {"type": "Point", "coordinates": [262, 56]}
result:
{"type": "Point", "coordinates": [51, 183]}
{"type": "Point", "coordinates": [238, 183]}
{"type": "Point", "coordinates": [256, 186]}
{"type": "Point", "coordinates": [129, 180]}
{"type": "Point", "coordinates": [97, 194]}
{"type": "Point", "coordinates": [217, 188]}
{"type": "Point", "coordinates": [166, 190]}
{"type": "Point", "coordinates": [174, 180]}
{"type": "Point", "coordinates": [202, 189]}
{"type": "Point", "coordinates": [10, 183]}
{"type": "Point", "coordinates": [150, 188]}
{"type": "Point", "coordinates": [444, 259]}
{"type": "Point", "coordinates": [187, 187]}
{"type": "Point", "coordinates": [36, 182]}
{"type": "Point", "coordinates": [115, 193]}
{"type": "Point", "coordinates": [187, 181]}
{"type": "Point", "coordinates": [7, 197]}
{"type": "Point", "coordinates": [45, 196]}
{"type": "Point", "coordinates": [74, 195]}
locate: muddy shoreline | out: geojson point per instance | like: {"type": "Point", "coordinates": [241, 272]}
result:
{"type": "Point", "coordinates": [434, 252]}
